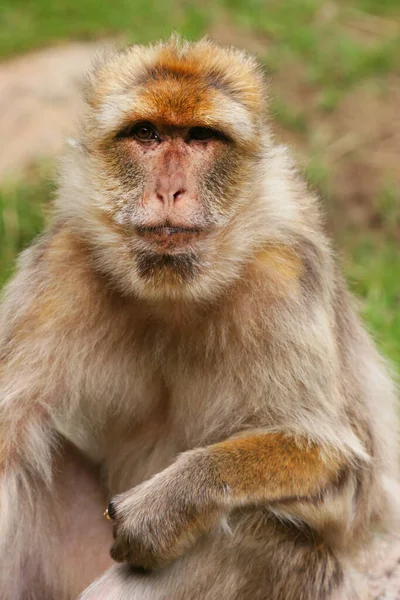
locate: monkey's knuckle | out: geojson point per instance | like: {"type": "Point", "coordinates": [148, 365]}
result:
{"type": "Point", "coordinates": [119, 552]}
{"type": "Point", "coordinates": [133, 543]}
{"type": "Point", "coordinates": [136, 553]}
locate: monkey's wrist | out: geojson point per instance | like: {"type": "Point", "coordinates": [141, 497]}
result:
{"type": "Point", "coordinates": [199, 473]}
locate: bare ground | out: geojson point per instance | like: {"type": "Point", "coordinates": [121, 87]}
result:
{"type": "Point", "coordinates": [39, 102]}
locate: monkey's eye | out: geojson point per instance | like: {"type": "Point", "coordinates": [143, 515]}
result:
{"type": "Point", "coordinates": [144, 132]}
{"type": "Point", "coordinates": [202, 134]}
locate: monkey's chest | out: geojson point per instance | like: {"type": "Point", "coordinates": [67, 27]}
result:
{"type": "Point", "coordinates": [190, 412]}
{"type": "Point", "coordinates": [162, 409]}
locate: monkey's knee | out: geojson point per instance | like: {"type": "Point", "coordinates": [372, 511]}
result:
{"type": "Point", "coordinates": [311, 578]}
{"type": "Point", "coordinates": [301, 567]}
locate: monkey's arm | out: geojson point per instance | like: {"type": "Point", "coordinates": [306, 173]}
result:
{"type": "Point", "coordinates": [41, 321]}
{"type": "Point", "coordinates": [156, 521]}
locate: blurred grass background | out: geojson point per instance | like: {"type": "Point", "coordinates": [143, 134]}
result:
{"type": "Point", "coordinates": [335, 95]}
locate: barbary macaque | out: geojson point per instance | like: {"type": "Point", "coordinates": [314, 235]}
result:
{"type": "Point", "coordinates": [179, 346]}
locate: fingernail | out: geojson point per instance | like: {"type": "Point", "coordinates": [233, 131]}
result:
{"type": "Point", "coordinates": [110, 513]}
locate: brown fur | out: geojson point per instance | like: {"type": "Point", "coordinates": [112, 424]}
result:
{"type": "Point", "coordinates": [181, 341]}
{"type": "Point", "coordinates": [274, 467]}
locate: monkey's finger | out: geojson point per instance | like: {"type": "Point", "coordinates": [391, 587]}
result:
{"type": "Point", "coordinates": [106, 514]}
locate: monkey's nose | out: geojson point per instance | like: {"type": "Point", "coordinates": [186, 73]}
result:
{"type": "Point", "coordinates": [168, 197]}
{"type": "Point", "coordinates": [170, 188]}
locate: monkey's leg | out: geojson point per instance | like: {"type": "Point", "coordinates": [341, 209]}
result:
{"type": "Point", "coordinates": [85, 536]}
{"type": "Point", "coordinates": [61, 541]}
{"type": "Point", "coordinates": [259, 558]}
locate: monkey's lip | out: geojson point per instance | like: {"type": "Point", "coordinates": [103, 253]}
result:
{"type": "Point", "coordinates": [170, 236]}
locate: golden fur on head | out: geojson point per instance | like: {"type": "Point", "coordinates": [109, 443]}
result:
{"type": "Point", "coordinates": [180, 83]}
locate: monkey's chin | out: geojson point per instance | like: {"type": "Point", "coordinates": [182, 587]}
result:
{"type": "Point", "coordinates": [196, 272]}
{"type": "Point", "coordinates": [163, 270]}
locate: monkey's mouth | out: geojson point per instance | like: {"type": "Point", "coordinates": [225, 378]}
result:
{"type": "Point", "coordinates": [169, 237]}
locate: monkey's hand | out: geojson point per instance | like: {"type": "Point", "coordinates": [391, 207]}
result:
{"type": "Point", "coordinates": [157, 521]}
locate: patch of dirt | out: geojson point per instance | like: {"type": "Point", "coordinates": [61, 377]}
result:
{"type": "Point", "coordinates": [359, 142]}
{"type": "Point", "coordinates": [225, 32]}
{"type": "Point", "coordinates": [39, 103]}
{"type": "Point", "coordinates": [364, 145]}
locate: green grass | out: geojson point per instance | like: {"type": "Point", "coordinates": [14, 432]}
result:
{"type": "Point", "coordinates": [321, 37]}
{"type": "Point", "coordinates": [372, 268]}
{"type": "Point", "coordinates": [304, 29]}
{"type": "Point", "coordinates": [26, 24]}
{"type": "Point", "coordinates": [287, 116]}
{"type": "Point", "coordinates": [21, 219]}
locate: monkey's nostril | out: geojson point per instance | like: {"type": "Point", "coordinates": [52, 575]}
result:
{"type": "Point", "coordinates": [178, 195]}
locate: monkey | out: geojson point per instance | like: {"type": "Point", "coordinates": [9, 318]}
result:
{"type": "Point", "coordinates": [180, 346]}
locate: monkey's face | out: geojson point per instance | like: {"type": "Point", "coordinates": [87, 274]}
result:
{"type": "Point", "coordinates": [178, 183]}
{"type": "Point", "coordinates": [174, 138]}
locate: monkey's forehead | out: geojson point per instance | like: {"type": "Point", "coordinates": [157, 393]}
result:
{"type": "Point", "coordinates": [181, 84]}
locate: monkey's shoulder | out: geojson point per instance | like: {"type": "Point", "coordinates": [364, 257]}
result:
{"type": "Point", "coordinates": [55, 288]}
